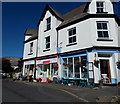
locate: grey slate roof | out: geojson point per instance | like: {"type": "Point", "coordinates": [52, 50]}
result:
{"type": "Point", "coordinates": [74, 12]}
{"type": "Point", "coordinates": [73, 15]}
{"type": "Point", "coordinates": [33, 33]}
{"type": "Point", "coordinates": [56, 12]}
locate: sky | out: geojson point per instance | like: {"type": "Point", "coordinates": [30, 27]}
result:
{"type": "Point", "coordinates": [19, 16]}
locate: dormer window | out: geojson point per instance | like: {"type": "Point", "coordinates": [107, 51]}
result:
{"type": "Point", "coordinates": [31, 47]}
{"type": "Point", "coordinates": [48, 21]}
{"type": "Point", "coordinates": [100, 7]}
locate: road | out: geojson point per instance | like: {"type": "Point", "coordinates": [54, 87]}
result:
{"type": "Point", "coordinates": [20, 92]}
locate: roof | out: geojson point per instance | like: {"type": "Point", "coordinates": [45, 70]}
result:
{"type": "Point", "coordinates": [68, 18]}
{"type": "Point", "coordinates": [53, 11]}
{"type": "Point", "coordinates": [73, 15]}
{"type": "Point", "coordinates": [33, 33]}
{"type": "Point", "coordinates": [30, 32]}
{"type": "Point", "coordinates": [74, 12]}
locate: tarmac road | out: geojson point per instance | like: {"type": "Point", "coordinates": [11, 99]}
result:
{"type": "Point", "coordinates": [20, 92]}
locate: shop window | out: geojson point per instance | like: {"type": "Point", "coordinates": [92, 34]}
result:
{"type": "Point", "coordinates": [54, 70]}
{"type": "Point", "coordinates": [102, 29]}
{"type": "Point", "coordinates": [84, 70]}
{"type": "Point", "coordinates": [48, 70]}
{"type": "Point", "coordinates": [65, 67]}
{"type": "Point", "coordinates": [76, 68]}
{"type": "Point", "coordinates": [77, 65]}
{"type": "Point", "coordinates": [70, 67]}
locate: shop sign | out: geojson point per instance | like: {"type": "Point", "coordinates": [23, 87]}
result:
{"type": "Point", "coordinates": [55, 65]}
{"type": "Point", "coordinates": [44, 62]}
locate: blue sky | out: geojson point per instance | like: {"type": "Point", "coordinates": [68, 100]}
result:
{"type": "Point", "coordinates": [18, 16]}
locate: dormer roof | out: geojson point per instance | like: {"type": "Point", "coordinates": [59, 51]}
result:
{"type": "Point", "coordinates": [53, 11]}
{"type": "Point", "coordinates": [79, 13]}
{"type": "Point", "coordinates": [31, 32]}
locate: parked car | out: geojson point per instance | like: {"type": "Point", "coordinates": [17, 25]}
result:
{"type": "Point", "coordinates": [3, 75]}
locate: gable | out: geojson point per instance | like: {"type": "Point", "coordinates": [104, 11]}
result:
{"type": "Point", "coordinates": [52, 11]}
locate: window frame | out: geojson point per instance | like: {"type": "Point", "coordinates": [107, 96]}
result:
{"type": "Point", "coordinates": [47, 42]}
{"type": "Point", "coordinates": [102, 30]}
{"type": "Point", "coordinates": [72, 35]}
{"type": "Point", "coordinates": [31, 47]}
{"type": "Point", "coordinates": [48, 23]}
{"type": "Point", "coordinates": [100, 7]}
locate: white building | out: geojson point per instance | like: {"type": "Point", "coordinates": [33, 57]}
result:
{"type": "Point", "coordinates": [83, 43]}
{"type": "Point", "coordinates": [30, 51]}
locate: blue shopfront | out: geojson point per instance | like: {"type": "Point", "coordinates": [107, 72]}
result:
{"type": "Point", "coordinates": [93, 65]}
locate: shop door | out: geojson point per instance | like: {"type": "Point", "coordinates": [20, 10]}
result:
{"type": "Point", "coordinates": [105, 68]}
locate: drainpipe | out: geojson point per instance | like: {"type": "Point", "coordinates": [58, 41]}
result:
{"type": "Point", "coordinates": [36, 57]}
{"type": "Point", "coordinates": [58, 57]}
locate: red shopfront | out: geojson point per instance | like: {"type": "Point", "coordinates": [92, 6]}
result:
{"type": "Point", "coordinates": [47, 67]}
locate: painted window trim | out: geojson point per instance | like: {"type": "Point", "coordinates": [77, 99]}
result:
{"type": "Point", "coordinates": [46, 50]}
{"type": "Point", "coordinates": [47, 43]}
{"type": "Point", "coordinates": [30, 53]}
{"type": "Point", "coordinates": [31, 48]}
{"type": "Point", "coordinates": [74, 35]}
{"type": "Point", "coordinates": [47, 29]}
{"type": "Point", "coordinates": [108, 30]}
{"type": "Point", "coordinates": [104, 39]}
{"type": "Point", "coordinates": [71, 44]}
{"type": "Point", "coordinates": [104, 7]}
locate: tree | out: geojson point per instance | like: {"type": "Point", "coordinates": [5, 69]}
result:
{"type": "Point", "coordinates": [20, 64]}
{"type": "Point", "coordinates": [6, 65]}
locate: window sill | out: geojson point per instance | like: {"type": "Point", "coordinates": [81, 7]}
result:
{"type": "Point", "coordinates": [30, 53]}
{"type": "Point", "coordinates": [104, 39]}
{"type": "Point", "coordinates": [46, 50]}
{"type": "Point", "coordinates": [101, 12]}
{"type": "Point", "coordinates": [71, 44]}
{"type": "Point", "coordinates": [47, 30]}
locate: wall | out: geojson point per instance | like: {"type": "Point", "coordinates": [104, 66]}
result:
{"type": "Point", "coordinates": [86, 34]}
{"type": "Point", "coordinates": [53, 35]}
{"type": "Point", "coordinates": [119, 36]}
{"type": "Point", "coordinates": [27, 49]}
{"type": "Point", "coordinates": [112, 27]}
{"type": "Point", "coordinates": [83, 36]}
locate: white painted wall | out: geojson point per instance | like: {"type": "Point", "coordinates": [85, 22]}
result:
{"type": "Point", "coordinates": [86, 33]}
{"type": "Point", "coordinates": [108, 7]}
{"type": "Point", "coordinates": [52, 33]}
{"type": "Point", "coordinates": [27, 37]}
{"type": "Point", "coordinates": [112, 27]}
{"type": "Point", "coordinates": [119, 36]}
{"type": "Point", "coordinates": [27, 49]}
{"type": "Point", "coordinates": [83, 36]}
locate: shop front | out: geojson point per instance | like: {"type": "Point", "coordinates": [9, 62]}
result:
{"type": "Point", "coordinates": [28, 67]}
{"type": "Point", "coordinates": [93, 65]}
{"type": "Point", "coordinates": [74, 66]}
{"type": "Point", "coordinates": [104, 66]}
{"type": "Point", "coordinates": [47, 68]}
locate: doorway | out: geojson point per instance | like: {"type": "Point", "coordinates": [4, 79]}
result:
{"type": "Point", "coordinates": [105, 68]}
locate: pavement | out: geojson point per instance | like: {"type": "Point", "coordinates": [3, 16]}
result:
{"type": "Point", "coordinates": [104, 94]}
